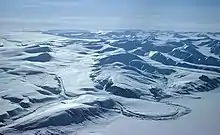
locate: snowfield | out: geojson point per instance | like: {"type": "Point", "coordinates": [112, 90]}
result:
{"type": "Point", "coordinates": [130, 82]}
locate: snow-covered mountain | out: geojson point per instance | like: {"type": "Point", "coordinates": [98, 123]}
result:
{"type": "Point", "coordinates": [58, 81]}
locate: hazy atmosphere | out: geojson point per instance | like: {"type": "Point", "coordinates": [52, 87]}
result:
{"type": "Point", "coordinates": [180, 15]}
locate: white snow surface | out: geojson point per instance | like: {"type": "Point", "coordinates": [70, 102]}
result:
{"type": "Point", "coordinates": [109, 82]}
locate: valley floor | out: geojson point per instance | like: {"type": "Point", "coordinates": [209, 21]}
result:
{"type": "Point", "coordinates": [203, 120]}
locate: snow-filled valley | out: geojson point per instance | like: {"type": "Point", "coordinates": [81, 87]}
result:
{"type": "Point", "coordinates": [65, 81]}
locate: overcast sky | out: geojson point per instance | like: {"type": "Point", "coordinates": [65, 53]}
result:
{"type": "Point", "coordinates": [179, 15]}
